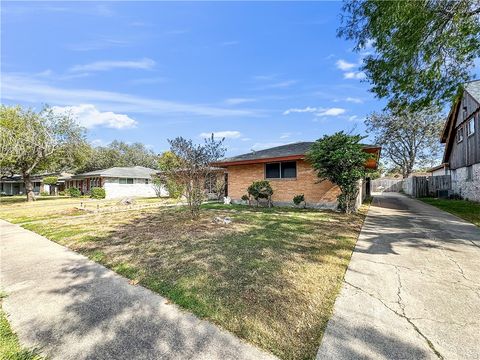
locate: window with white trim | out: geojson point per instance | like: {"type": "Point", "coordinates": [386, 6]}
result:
{"type": "Point", "coordinates": [281, 170]}
{"type": "Point", "coordinates": [470, 126]}
{"type": "Point", "coordinates": [460, 134]}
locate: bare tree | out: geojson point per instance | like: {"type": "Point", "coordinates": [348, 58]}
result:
{"type": "Point", "coordinates": [193, 168]}
{"type": "Point", "coordinates": [32, 141]}
{"type": "Point", "coordinates": [408, 139]}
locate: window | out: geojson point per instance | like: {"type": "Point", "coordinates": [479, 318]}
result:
{"type": "Point", "coordinates": [125, 181]}
{"type": "Point", "coordinates": [147, 181]}
{"type": "Point", "coordinates": [283, 170]}
{"type": "Point", "coordinates": [470, 126]}
{"type": "Point", "coordinates": [272, 171]}
{"type": "Point", "coordinates": [460, 134]}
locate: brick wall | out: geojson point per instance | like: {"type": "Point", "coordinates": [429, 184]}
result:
{"type": "Point", "coordinates": [323, 194]}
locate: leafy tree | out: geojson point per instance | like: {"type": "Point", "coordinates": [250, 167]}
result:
{"type": "Point", "coordinates": [50, 180]}
{"type": "Point", "coordinates": [167, 162]}
{"type": "Point", "coordinates": [119, 153]}
{"type": "Point", "coordinates": [31, 142]}
{"type": "Point", "coordinates": [423, 49]}
{"type": "Point", "coordinates": [340, 159]}
{"type": "Point", "coordinates": [408, 139]}
{"type": "Point", "coordinates": [193, 168]}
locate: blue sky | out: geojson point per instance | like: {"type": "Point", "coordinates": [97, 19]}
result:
{"type": "Point", "coordinates": [260, 74]}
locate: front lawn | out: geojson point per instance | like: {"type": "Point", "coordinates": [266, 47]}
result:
{"type": "Point", "coordinates": [467, 210]}
{"type": "Point", "coordinates": [271, 276]}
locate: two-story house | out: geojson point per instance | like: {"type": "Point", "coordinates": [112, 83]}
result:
{"type": "Point", "coordinates": [461, 136]}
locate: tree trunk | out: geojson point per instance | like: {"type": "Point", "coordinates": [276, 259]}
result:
{"type": "Point", "coordinates": [28, 187]}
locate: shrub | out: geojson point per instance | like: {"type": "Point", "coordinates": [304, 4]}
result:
{"type": "Point", "coordinates": [44, 193]}
{"type": "Point", "coordinates": [298, 199]}
{"type": "Point", "coordinates": [61, 193]}
{"type": "Point", "coordinates": [261, 190]}
{"type": "Point", "coordinates": [245, 197]}
{"type": "Point", "coordinates": [97, 193]}
{"type": "Point", "coordinates": [74, 192]}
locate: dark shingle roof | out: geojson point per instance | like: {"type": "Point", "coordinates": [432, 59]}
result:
{"type": "Point", "coordinates": [299, 148]}
{"type": "Point", "coordinates": [473, 89]}
{"type": "Point", "coordinates": [138, 172]}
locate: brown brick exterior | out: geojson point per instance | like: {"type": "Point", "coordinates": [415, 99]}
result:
{"type": "Point", "coordinates": [240, 177]}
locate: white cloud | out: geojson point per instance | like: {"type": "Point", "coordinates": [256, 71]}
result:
{"type": "Point", "coordinates": [99, 43]}
{"type": "Point", "coordinates": [317, 111]}
{"type": "Point", "coordinates": [228, 134]}
{"type": "Point", "coordinates": [89, 116]}
{"type": "Point", "coordinates": [307, 109]}
{"type": "Point", "coordinates": [280, 84]}
{"type": "Point", "coordinates": [229, 43]}
{"type": "Point", "coordinates": [149, 80]}
{"type": "Point", "coordinates": [142, 64]}
{"type": "Point", "coordinates": [238, 101]}
{"type": "Point", "coordinates": [355, 118]}
{"type": "Point", "coordinates": [25, 88]}
{"type": "Point", "coordinates": [331, 112]}
{"type": "Point", "coordinates": [354, 100]}
{"type": "Point", "coordinates": [359, 75]}
{"type": "Point", "coordinates": [285, 135]}
{"type": "Point", "coordinates": [344, 65]}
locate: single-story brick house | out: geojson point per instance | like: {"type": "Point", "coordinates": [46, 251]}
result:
{"type": "Point", "coordinates": [14, 185]}
{"type": "Point", "coordinates": [118, 182]}
{"type": "Point", "coordinates": [287, 171]}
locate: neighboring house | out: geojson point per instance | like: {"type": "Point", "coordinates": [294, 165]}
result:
{"type": "Point", "coordinates": [135, 181]}
{"type": "Point", "coordinates": [461, 136]}
{"type": "Point", "coordinates": [14, 185]}
{"type": "Point", "coordinates": [287, 171]}
{"type": "Point", "coordinates": [439, 170]}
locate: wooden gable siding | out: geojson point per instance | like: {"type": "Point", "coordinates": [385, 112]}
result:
{"type": "Point", "coordinates": [466, 152]}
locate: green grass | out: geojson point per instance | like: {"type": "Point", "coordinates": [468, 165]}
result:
{"type": "Point", "coordinates": [271, 276]}
{"type": "Point", "coordinates": [10, 348]}
{"type": "Point", "coordinates": [467, 210]}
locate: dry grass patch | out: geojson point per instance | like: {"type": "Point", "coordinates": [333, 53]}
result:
{"type": "Point", "coordinates": [15, 209]}
{"type": "Point", "coordinates": [271, 276]}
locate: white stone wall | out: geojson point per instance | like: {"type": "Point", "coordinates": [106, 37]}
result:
{"type": "Point", "coordinates": [467, 189]}
{"type": "Point", "coordinates": [115, 190]}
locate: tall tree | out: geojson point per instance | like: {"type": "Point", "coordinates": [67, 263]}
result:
{"type": "Point", "coordinates": [340, 159]}
{"type": "Point", "coordinates": [422, 49]}
{"type": "Point", "coordinates": [168, 162]}
{"type": "Point", "coordinates": [119, 153]}
{"type": "Point", "coordinates": [193, 167]}
{"type": "Point", "coordinates": [408, 139]}
{"type": "Point", "coordinates": [38, 141]}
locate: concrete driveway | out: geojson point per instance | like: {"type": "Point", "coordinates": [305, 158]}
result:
{"type": "Point", "coordinates": [72, 308]}
{"type": "Point", "coordinates": [412, 289]}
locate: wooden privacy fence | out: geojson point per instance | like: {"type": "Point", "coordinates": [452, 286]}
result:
{"type": "Point", "coordinates": [416, 186]}
{"type": "Point", "coordinates": [423, 186]}
{"type": "Point", "coordinates": [386, 185]}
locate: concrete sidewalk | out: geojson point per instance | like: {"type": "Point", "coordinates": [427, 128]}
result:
{"type": "Point", "coordinates": [72, 308]}
{"type": "Point", "coordinates": [412, 289]}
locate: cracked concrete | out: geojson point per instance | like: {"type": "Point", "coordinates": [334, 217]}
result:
{"type": "Point", "coordinates": [412, 289]}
